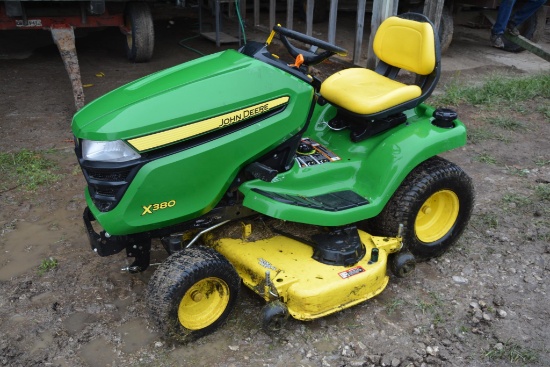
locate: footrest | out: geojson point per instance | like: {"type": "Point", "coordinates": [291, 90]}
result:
{"type": "Point", "coordinates": [333, 202]}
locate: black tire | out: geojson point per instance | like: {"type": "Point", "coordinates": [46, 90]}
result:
{"type": "Point", "coordinates": [435, 185]}
{"type": "Point", "coordinates": [446, 29]}
{"type": "Point", "coordinates": [140, 40]}
{"type": "Point", "coordinates": [532, 29]}
{"type": "Point", "coordinates": [192, 293]}
{"type": "Point", "coordinates": [402, 264]}
{"type": "Point", "coordinates": [446, 25]}
{"type": "Point", "coordinates": [274, 317]}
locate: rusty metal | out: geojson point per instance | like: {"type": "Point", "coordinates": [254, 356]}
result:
{"type": "Point", "coordinates": [107, 19]}
{"type": "Point", "coordinates": [63, 36]}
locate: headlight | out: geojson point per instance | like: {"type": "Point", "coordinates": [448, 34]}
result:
{"type": "Point", "coordinates": [107, 151]}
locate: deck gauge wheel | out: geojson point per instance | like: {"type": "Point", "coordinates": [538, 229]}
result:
{"type": "Point", "coordinates": [274, 317]}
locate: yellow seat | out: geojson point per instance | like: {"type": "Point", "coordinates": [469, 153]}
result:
{"type": "Point", "coordinates": [405, 42]}
{"type": "Point", "coordinates": [362, 91]}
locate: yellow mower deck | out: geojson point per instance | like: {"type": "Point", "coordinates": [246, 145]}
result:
{"type": "Point", "coordinates": [309, 288]}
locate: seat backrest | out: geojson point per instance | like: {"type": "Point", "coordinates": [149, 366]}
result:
{"type": "Point", "coordinates": [406, 44]}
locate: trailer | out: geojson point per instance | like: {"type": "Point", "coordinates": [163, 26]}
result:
{"type": "Point", "coordinates": [133, 18]}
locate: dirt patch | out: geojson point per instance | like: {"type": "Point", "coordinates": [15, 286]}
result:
{"type": "Point", "coordinates": [483, 300]}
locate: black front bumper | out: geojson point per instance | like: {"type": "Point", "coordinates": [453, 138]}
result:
{"type": "Point", "coordinates": [137, 246]}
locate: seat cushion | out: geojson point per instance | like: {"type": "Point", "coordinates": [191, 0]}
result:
{"type": "Point", "coordinates": [364, 92]}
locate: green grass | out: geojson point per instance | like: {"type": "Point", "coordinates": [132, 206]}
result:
{"type": "Point", "coordinates": [542, 191]}
{"type": "Point", "coordinates": [541, 162]}
{"type": "Point", "coordinates": [434, 307]}
{"type": "Point", "coordinates": [545, 111]}
{"type": "Point", "coordinates": [477, 135]}
{"type": "Point", "coordinates": [47, 265]}
{"type": "Point", "coordinates": [505, 122]}
{"type": "Point", "coordinates": [514, 171]}
{"type": "Point", "coordinates": [485, 158]}
{"type": "Point", "coordinates": [514, 353]}
{"type": "Point", "coordinates": [519, 200]}
{"type": "Point", "coordinates": [393, 306]}
{"type": "Point", "coordinates": [496, 90]}
{"type": "Point", "coordinates": [26, 169]}
{"type": "Point", "coordinates": [487, 220]}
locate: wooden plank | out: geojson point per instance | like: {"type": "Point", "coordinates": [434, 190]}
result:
{"type": "Point", "coordinates": [272, 14]}
{"type": "Point", "coordinates": [359, 28]}
{"type": "Point", "coordinates": [332, 21]}
{"type": "Point", "coordinates": [289, 14]}
{"type": "Point", "coordinates": [309, 17]}
{"type": "Point", "coordinates": [63, 37]}
{"type": "Point", "coordinates": [523, 42]}
{"type": "Point", "coordinates": [433, 10]}
{"type": "Point", "coordinates": [380, 11]}
{"type": "Point", "coordinates": [528, 45]}
{"type": "Point", "coordinates": [256, 13]}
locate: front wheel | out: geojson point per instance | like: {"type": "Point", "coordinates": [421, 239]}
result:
{"type": "Point", "coordinates": [434, 203]}
{"type": "Point", "coordinates": [192, 293]}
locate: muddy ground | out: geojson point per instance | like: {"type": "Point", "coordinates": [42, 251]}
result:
{"type": "Point", "coordinates": [484, 303]}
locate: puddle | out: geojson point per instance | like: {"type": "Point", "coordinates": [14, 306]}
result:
{"type": "Point", "coordinates": [99, 353]}
{"type": "Point", "coordinates": [24, 248]}
{"type": "Point", "coordinates": [135, 335]}
{"type": "Point", "coordinates": [206, 353]}
{"type": "Point", "coordinates": [45, 341]}
{"type": "Point", "coordinates": [78, 321]}
{"type": "Point", "coordinates": [44, 298]}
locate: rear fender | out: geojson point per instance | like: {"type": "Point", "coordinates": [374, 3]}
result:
{"type": "Point", "coordinates": [399, 152]}
{"type": "Point", "coordinates": [373, 168]}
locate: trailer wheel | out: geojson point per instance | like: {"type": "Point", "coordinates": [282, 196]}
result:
{"type": "Point", "coordinates": [446, 25]}
{"type": "Point", "coordinates": [532, 29]}
{"type": "Point", "coordinates": [192, 293]}
{"type": "Point", "coordinates": [446, 29]}
{"type": "Point", "coordinates": [434, 203]}
{"type": "Point", "coordinates": [140, 39]}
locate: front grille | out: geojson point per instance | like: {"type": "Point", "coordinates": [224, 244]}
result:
{"type": "Point", "coordinates": [103, 205]}
{"type": "Point", "coordinates": [107, 181]}
{"type": "Point", "coordinates": [108, 174]}
{"type": "Point", "coordinates": [106, 190]}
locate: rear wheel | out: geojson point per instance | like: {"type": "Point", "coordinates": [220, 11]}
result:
{"type": "Point", "coordinates": [192, 293]}
{"type": "Point", "coordinates": [434, 204]}
{"type": "Point", "coordinates": [140, 39]}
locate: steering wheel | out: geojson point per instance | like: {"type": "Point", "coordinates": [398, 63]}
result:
{"type": "Point", "coordinates": [310, 57]}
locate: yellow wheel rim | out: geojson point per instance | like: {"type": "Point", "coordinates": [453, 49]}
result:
{"type": "Point", "coordinates": [203, 303]}
{"type": "Point", "coordinates": [437, 216]}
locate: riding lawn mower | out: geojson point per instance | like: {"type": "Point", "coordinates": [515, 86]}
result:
{"type": "Point", "coordinates": [248, 169]}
